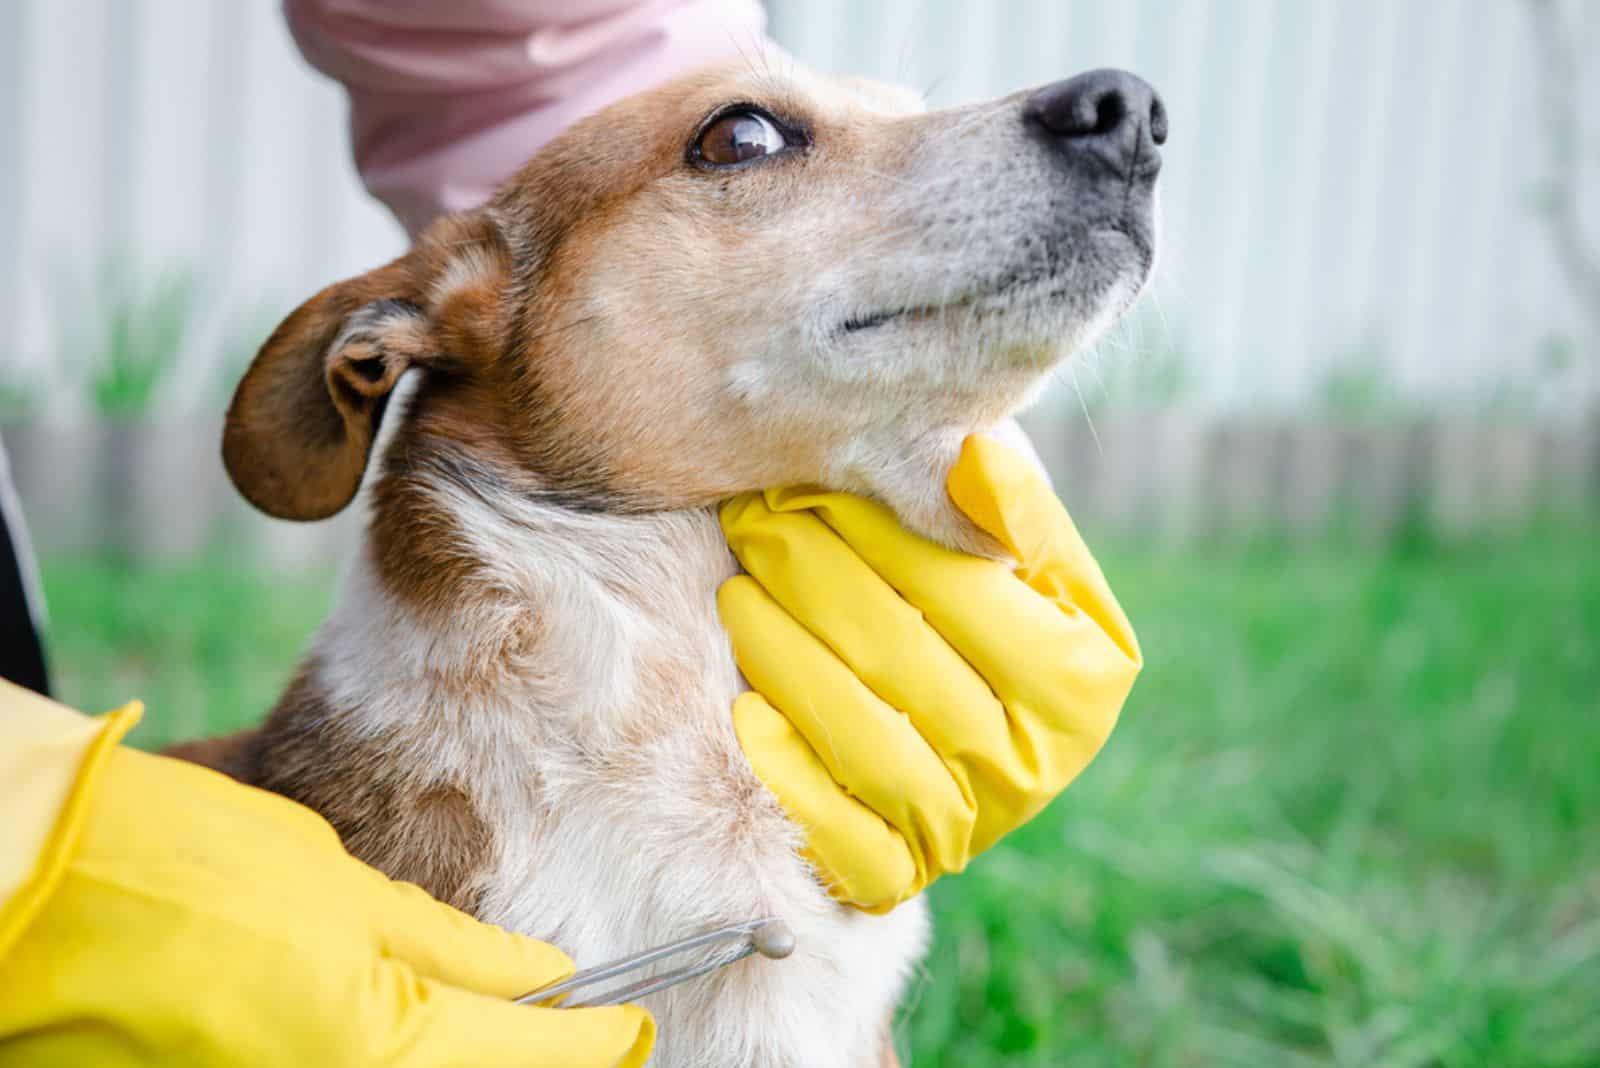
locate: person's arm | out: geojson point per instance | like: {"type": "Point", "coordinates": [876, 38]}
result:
{"type": "Point", "coordinates": [448, 98]}
{"type": "Point", "coordinates": [152, 911]}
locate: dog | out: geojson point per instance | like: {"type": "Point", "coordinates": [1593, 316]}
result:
{"type": "Point", "coordinates": [752, 276]}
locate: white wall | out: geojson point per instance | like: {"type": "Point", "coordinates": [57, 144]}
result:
{"type": "Point", "coordinates": [1348, 181]}
{"type": "Point", "coordinates": [168, 134]}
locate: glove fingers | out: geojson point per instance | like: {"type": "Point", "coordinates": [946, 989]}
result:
{"type": "Point", "coordinates": [864, 860]}
{"type": "Point", "coordinates": [887, 643]}
{"type": "Point", "coordinates": [823, 584]}
{"type": "Point", "coordinates": [874, 752]}
{"type": "Point", "coordinates": [1046, 656]}
{"type": "Point", "coordinates": [1006, 496]}
{"type": "Point", "coordinates": [1041, 657]}
{"type": "Point", "coordinates": [443, 943]}
{"type": "Point", "coordinates": [421, 1022]}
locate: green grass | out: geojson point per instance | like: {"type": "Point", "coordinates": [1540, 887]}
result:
{"type": "Point", "coordinates": [207, 647]}
{"type": "Point", "coordinates": [1351, 815]}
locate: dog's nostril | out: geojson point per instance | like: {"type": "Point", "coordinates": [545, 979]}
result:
{"type": "Point", "coordinates": [1158, 121]}
{"type": "Point", "coordinates": [1114, 115]}
{"type": "Point", "coordinates": [1097, 113]}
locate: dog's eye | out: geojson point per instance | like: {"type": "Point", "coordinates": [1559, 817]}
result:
{"type": "Point", "coordinates": [739, 136]}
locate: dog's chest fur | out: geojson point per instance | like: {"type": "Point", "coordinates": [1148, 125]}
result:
{"type": "Point", "coordinates": [550, 745]}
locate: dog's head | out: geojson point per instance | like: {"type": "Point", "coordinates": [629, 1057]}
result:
{"type": "Point", "coordinates": [748, 277]}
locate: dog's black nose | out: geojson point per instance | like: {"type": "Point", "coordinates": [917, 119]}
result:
{"type": "Point", "coordinates": [1109, 116]}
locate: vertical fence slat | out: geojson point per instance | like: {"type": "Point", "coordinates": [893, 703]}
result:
{"type": "Point", "coordinates": [1284, 321]}
{"type": "Point", "coordinates": [1421, 319]}
{"type": "Point", "coordinates": [13, 89]}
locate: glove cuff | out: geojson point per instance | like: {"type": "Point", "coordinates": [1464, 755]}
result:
{"type": "Point", "coordinates": [51, 759]}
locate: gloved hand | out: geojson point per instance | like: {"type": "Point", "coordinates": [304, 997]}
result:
{"type": "Point", "coordinates": [175, 916]}
{"type": "Point", "coordinates": [913, 704]}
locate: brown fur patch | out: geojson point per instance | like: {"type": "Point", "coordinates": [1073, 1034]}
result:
{"type": "Point", "coordinates": [222, 754]}
{"type": "Point", "coordinates": [425, 832]}
{"type": "Point", "coordinates": [301, 425]}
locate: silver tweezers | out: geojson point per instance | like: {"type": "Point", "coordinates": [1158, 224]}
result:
{"type": "Point", "coordinates": [767, 936]}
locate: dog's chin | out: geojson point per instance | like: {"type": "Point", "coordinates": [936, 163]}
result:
{"type": "Point", "coordinates": [1032, 319]}
{"type": "Point", "coordinates": [1042, 329]}
{"type": "Point", "coordinates": [971, 362]}
{"type": "Point", "coordinates": [1023, 338]}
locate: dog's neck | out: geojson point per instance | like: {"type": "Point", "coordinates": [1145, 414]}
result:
{"type": "Point", "coordinates": [565, 674]}
{"type": "Point", "coordinates": [514, 584]}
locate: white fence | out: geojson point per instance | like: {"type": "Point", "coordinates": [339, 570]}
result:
{"type": "Point", "coordinates": [1350, 187]}
{"type": "Point", "coordinates": [1349, 194]}
{"type": "Point", "coordinates": [158, 490]}
{"type": "Point", "coordinates": [146, 137]}
{"type": "Point", "coordinates": [1348, 198]}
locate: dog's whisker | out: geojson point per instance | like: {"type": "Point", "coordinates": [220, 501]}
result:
{"type": "Point", "coordinates": [1087, 418]}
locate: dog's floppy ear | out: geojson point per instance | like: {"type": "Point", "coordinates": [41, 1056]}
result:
{"type": "Point", "coordinates": [303, 418]}
{"type": "Point", "coordinates": [302, 422]}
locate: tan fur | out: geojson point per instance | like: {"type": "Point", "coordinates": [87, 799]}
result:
{"type": "Point", "coordinates": [522, 699]}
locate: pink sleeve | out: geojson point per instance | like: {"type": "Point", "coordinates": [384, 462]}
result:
{"type": "Point", "coordinates": [449, 97]}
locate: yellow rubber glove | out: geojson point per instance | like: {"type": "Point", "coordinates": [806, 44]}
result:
{"type": "Point", "coordinates": [152, 911]}
{"type": "Point", "coordinates": [913, 704]}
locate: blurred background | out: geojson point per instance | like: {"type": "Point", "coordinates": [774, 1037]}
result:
{"type": "Point", "coordinates": [1342, 465]}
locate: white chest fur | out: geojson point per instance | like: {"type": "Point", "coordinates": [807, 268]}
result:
{"type": "Point", "coordinates": [597, 744]}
